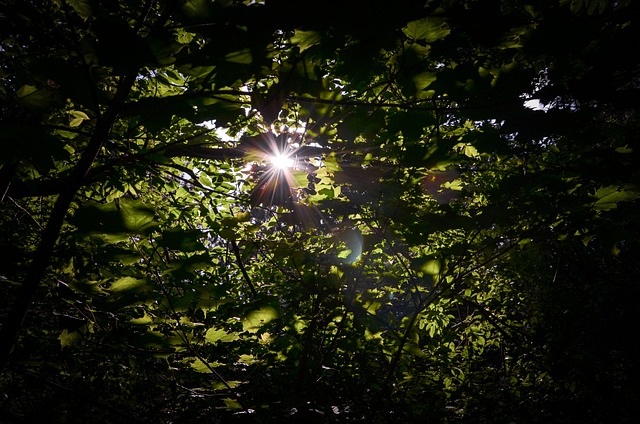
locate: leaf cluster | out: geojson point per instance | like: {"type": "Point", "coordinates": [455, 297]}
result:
{"type": "Point", "coordinates": [455, 240]}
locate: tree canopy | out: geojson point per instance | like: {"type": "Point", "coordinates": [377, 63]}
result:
{"type": "Point", "coordinates": [338, 211]}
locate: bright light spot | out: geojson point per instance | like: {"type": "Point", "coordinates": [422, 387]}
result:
{"type": "Point", "coordinates": [281, 161]}
{"type": "Point", "coordinates": [535, 105]}
{"type": "Point", "coordinates": [220, 132]}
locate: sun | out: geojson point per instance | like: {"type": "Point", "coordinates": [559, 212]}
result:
{"type": "Point", "coordinates": [281, 161]}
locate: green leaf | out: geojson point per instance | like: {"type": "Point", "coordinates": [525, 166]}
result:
{"type": "Point", "coordinates": [138, 217]}
{"type": "Point", "coordinates": [232, 404]}
{"type": "Point", "coordinates": [87, 287]}
{"type": "Point", "coordinates": [68, 338]}
{"type": "Point", "coordinates": [431, 267]}
{"type": "Point", "coordinates": [299, 178]}
{"type": "Point", "coordinates": [257, 318]}
{"type": "Point", "coordinates": [196, 8]}
{"type": "Point", "coordinates": [332, 163]}
{"type": "Point", "coordinates": [423, 80]}
{"type": "Point", "coordinates": [30, 97]}
{"type": "Point", "coordinates": [247, 359]}
{"type": "Point", "coordinates": [144, 320]}
{"type": "Point", "coordinates": [79, 114]}
{"type": "Point", "coordinates": [467, 150]}
{"type": "Point", "coordinates": [218, 335]}
{"type": "Point", "coordinates": [78, 118]}
{"type": "Point", "coordinates": [243, 57]}
{"type": "Point", "coordinates": [219, 385]}
{"type": "Point", "coordinates": [608, 197]}
{"type": "Point", "coordinates": [305, 39]}
{"type": "Point", "coordinates": [343, 254]}
{"type": "Point", "coordinates": [429, 29]}
{"type": "Point", "coordinates": [124, 217]}
{"type": "Point", "coordinates": [82, 8]}
{"type": "Point", "coordinates": [129, 283]}
{"type": "Point", "coordinates": [202, 367]}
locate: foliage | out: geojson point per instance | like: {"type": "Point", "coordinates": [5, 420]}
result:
{"type": "Point", "coordinates": [452, 239]}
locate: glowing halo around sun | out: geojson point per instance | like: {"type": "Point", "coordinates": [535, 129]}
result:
{"type": "Point", "coordinates": [281, 161]}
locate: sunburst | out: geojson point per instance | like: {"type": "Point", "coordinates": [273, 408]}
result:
{"type": "Point", "coordinates": [281, 161]}
{"type": "Point", "coordinates": [277, 160]}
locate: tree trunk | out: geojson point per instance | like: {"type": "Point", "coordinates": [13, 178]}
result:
{"type": "Point", "coordinates": [14, 321]}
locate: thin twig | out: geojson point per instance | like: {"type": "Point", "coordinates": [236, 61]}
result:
{"type": "Point", "coordinates": [183, 336]}
{"type": "Point", "coordinates": [26, 212]}
{"type": "Point", "coordinates": [236, 252]}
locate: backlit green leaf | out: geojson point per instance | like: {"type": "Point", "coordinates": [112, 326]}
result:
{"type": "Point", "coordinates": [196, 8]}
{"type": "Point", "coordinates": [428, 29]}
{"type": "Point", "coordinates": [129, 283]}
{"type": "Point", "coordinates": [243, 57]}
{"type": "Point", "coordinates": [332, 164]}
{"type": "Point", "coordinates": [608, 197]}
{"type": "Point", "coordinates": [81, 7]}
{"type": "Point", "coordinates": [258, 317]}
{"type": "Point", "coordinates": [218, 335]}
{"type": "Point", "coordinates": [431, 267]}
{"type": "Point", "coordinates": [232, 404]}
{"type": "Point", "coordinates": [144, 320]}
{"type": "Point", "coordinates": [423, 80]}
{"type": "Point", "coordinates": [138, 217]}
{"type": "Point", "coordinates": [305, 39]}
{"type": "Point", "coordinates": [203, 367]}
{"type": "Point", "coordinates": [68, 338]}
{"type": "Point", "coordinates": [30, 97]}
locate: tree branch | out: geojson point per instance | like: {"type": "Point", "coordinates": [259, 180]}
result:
{"type": "Point", "coordinates": [14, 321]}
{"type": "Point", "coordinates": [402, 105]}
{"type": "Point", "coordinates": [236, 252]}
